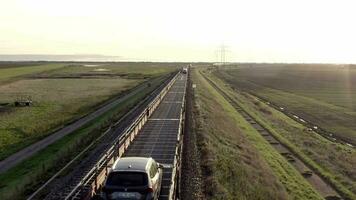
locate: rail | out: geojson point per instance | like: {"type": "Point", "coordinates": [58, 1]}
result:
{"type": "Point", "coordinates": [161, 138]}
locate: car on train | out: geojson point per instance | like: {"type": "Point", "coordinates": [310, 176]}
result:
{"type": "Point", "coordinates": [133, 178]}
{"type": "Point", "coordinates": [185, 70]}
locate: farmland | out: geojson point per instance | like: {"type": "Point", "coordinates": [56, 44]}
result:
{"type": "Point", "coordinates": [60, 93]}
{"type": "Point", "coordinates": [333, 161]}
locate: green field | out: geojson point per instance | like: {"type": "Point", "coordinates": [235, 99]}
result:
{"type": "Point", "coordinates": [335, 162]}
{"type": "Point", "coordinates": [60, 93]}
{"type": "Point", "coordinates": [12, 72]}
{"type": "Point", "coordinates": [110, 70]}
{"type": "Point", "coordinates": [236, 160]}
{"type": "Point", "coordinates": [322, 94]}
{"type": "Point", "coordinates": [21, 180]}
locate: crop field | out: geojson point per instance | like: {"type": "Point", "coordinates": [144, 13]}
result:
{"type": "Point", "coordinates": [322, 94]}
{"type": "Point", "coordinates": [333, 161]}
{"type": "Point", "coordinates": [60, 92]}
{"type": "Point", "coordinates": [235, 160]}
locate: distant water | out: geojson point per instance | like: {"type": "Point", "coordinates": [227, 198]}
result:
{"type": "Point", "coordinates": [45, 57]}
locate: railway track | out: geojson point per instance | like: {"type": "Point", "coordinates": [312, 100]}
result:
{"type": "Point", "coordinates": [84, 174]}
{"type": "Point", "coordinates": [318, 183]}
{"type": "Point", "coordinates": [327, 134]}
{"type": "Point", "coordinates": [160, 138]}
{"type": "Point", "coordinates": [331, 136]}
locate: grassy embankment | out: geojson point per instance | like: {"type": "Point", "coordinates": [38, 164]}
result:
{"type": "Point", "coordinates": [58, 101]}
{"type": "Point", "coordinates": [324, 95]}
{"type": "Point", "coordinates": [21, 180]}
{"type": "Point", "coordinates": [237, 161]}
{"type": "Point", "coordinates": [333, 161]}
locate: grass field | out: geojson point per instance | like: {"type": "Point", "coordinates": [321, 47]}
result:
{"type": "Point", "coordinates": [236, 160]}
{"type": "Point", "coordinates": [335, 162]}
{"type": "Point", "coordinates": [61, 99]}
{"type": "Point", "coordinates": [108, 70]}
{"type": "Point", "coordinates": [23, 179]}
{"type": "Point", "coordinates": [11, 64]}
{"type": "Point", "coordinates": [61, 93]}
{"type": "Point", "coordinates": [322, 94]}
{"type": "Point", "coordinates": [14, 72]}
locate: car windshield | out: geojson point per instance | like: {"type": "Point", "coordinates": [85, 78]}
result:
{"type": "Point", "coordinates": [124, 179]}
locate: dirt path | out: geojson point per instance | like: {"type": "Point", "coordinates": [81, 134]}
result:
{"type": "Point", "coordinates": [27, 152]}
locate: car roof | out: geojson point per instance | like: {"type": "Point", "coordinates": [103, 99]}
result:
{"type": "Point", "coordinates": [132, 164]}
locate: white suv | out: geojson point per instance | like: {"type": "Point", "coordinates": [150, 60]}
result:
{"type": "Point", "coordinates": [134, 178]}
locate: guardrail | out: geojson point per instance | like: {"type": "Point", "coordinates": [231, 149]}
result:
{"type": "Point", "coordinates": [95, 178]}
{"type": "Point", "coordinates": [175, 190]}
{"type": "Point", "coordinates": [176, 175]}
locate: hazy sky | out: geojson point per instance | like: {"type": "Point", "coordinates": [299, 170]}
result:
{"type": "Point", "coordinates": [183, 30]}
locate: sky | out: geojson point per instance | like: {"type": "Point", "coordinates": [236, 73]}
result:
{"type": "Point", "coordinates": [183, 30]}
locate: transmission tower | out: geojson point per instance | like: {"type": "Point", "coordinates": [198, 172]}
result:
{"type": "Point", "coordinates": [223, 49]}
